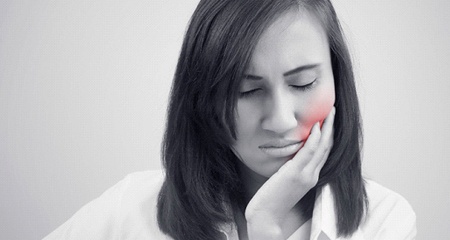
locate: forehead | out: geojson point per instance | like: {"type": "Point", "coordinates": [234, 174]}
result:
{"type": "Point", "coordinates": [295, 38]}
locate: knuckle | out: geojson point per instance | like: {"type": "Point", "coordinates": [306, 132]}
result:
{"type": "Point", "coordinates": [310, 152]}
{"type": "Point", "coordinates": [315, 177]}
{"type": "Point", "coordinates": [312, 148]}
{"type": "Point", "coordinates": [312, 181]}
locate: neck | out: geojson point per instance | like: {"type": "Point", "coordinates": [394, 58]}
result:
{"type": "Point", "coordinates": [251, 182]}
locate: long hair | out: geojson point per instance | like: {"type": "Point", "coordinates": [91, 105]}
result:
{"type": "Point", "coordinates": [201, 169]}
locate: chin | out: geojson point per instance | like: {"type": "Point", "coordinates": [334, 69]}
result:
{"type": "Point", "coordinates": [272, 169]}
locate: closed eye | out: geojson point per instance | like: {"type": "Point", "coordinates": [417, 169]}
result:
{"type": "Point", "coordinates": [250, 93]}
{"type": "Point", "coordinates": [304, 87]}
{"type": "Point", "coordinates": [256, 91]}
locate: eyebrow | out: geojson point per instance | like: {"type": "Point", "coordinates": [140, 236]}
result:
{"type": "Point", "coordinates": [288, 73]}
{"type": "Point", "coordinates": [300, 69]}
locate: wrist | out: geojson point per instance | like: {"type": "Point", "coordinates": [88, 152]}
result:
{"type": "Point", "coordinates": [263, 227]}
{"type": "Point", "coordinates": [264, 232]}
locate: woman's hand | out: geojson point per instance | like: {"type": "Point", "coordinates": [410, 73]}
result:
{"type": "Point", "coordinates": [281, 192]}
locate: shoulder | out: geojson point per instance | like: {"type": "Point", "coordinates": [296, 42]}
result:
{"type": "Point", "coordinates": [384, 201]}
{"type": "Point", "coordinates": [138, 207]}
{"type": "Point", "coordinates": [127, 210]}
{"type": "Point", "coordinates": [140, 191]}
{"type": "Point", "coordinates": [142, 184]}
{"type": "Point", "coordinates": [389, 215]}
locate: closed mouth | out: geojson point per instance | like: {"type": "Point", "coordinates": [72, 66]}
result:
{"type": "Point", "coordinates": [281, 148]}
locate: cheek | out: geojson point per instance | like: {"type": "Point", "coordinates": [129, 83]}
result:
{"type": "Point", "coordinates": [318, 109]}
{"type": "Point", "coordinates": [246, 123]}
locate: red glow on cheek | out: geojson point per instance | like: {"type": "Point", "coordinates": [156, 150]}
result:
{"type": "Point", "coordinates": [317, 110]}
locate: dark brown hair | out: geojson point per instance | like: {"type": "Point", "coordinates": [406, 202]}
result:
{"type": "Point", "coordinates": [201, 172]}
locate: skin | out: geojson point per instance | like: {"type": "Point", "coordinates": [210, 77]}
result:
{"type": "Point", "coordinates": [292, 53]}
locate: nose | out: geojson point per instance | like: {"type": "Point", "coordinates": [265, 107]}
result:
{"type": "Point", "coordinates": [280, 114]}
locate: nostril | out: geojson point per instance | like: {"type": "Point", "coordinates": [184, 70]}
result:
{"type": "Point", "coordinates": [280, 112]}
{"type": "Point", "coordinates": [280, 122]}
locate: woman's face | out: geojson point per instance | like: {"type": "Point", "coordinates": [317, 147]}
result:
{"type": "Point", "coordinates": [288, 87]}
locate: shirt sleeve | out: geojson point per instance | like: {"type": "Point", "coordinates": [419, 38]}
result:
{"type": "Point", "coordinates": [96, 220]}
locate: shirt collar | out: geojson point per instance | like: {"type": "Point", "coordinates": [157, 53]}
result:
{"type": "Point", "coordinates": [324, 215]}
{"type": "Point", "coordinates": [323, 223]}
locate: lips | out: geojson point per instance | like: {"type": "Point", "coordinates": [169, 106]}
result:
{"type": "Point", "coordinates": [281, 147]}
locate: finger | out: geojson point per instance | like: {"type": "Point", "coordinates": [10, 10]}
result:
{"type": "Point", "coordinates": [309, 148]}
{"type": "Point", "coordinates": [325, 144]}
{"type": "Point", "coordinates": [289, 175]}
{"type": "Point", "coordinates": [327, 126]}
{"type": "Point", "coordinates": [327, 138]}
{"type": "Point", "coordinates": [319, 137]}
{"type": "Point", "coordinates": [324, 160]}
{"type": "Point", "coordinates": [291, 169]}
{"type": "Point", "coordinates": [313, 154]}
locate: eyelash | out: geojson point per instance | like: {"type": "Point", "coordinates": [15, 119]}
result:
{"type": "Point", "coordinates": [303, 88]}
{"type": "Point", "coordinates": [249, 93]}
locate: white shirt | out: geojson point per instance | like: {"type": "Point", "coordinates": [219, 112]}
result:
{"type": "Point", "coordinates": [128, 211]}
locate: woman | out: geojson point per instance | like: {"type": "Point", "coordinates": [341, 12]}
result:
{"type": "Point", "coordinates": [262, 139]}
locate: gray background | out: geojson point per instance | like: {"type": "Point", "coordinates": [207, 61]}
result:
{"type": "Point", "coordinates": [84, 87]}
